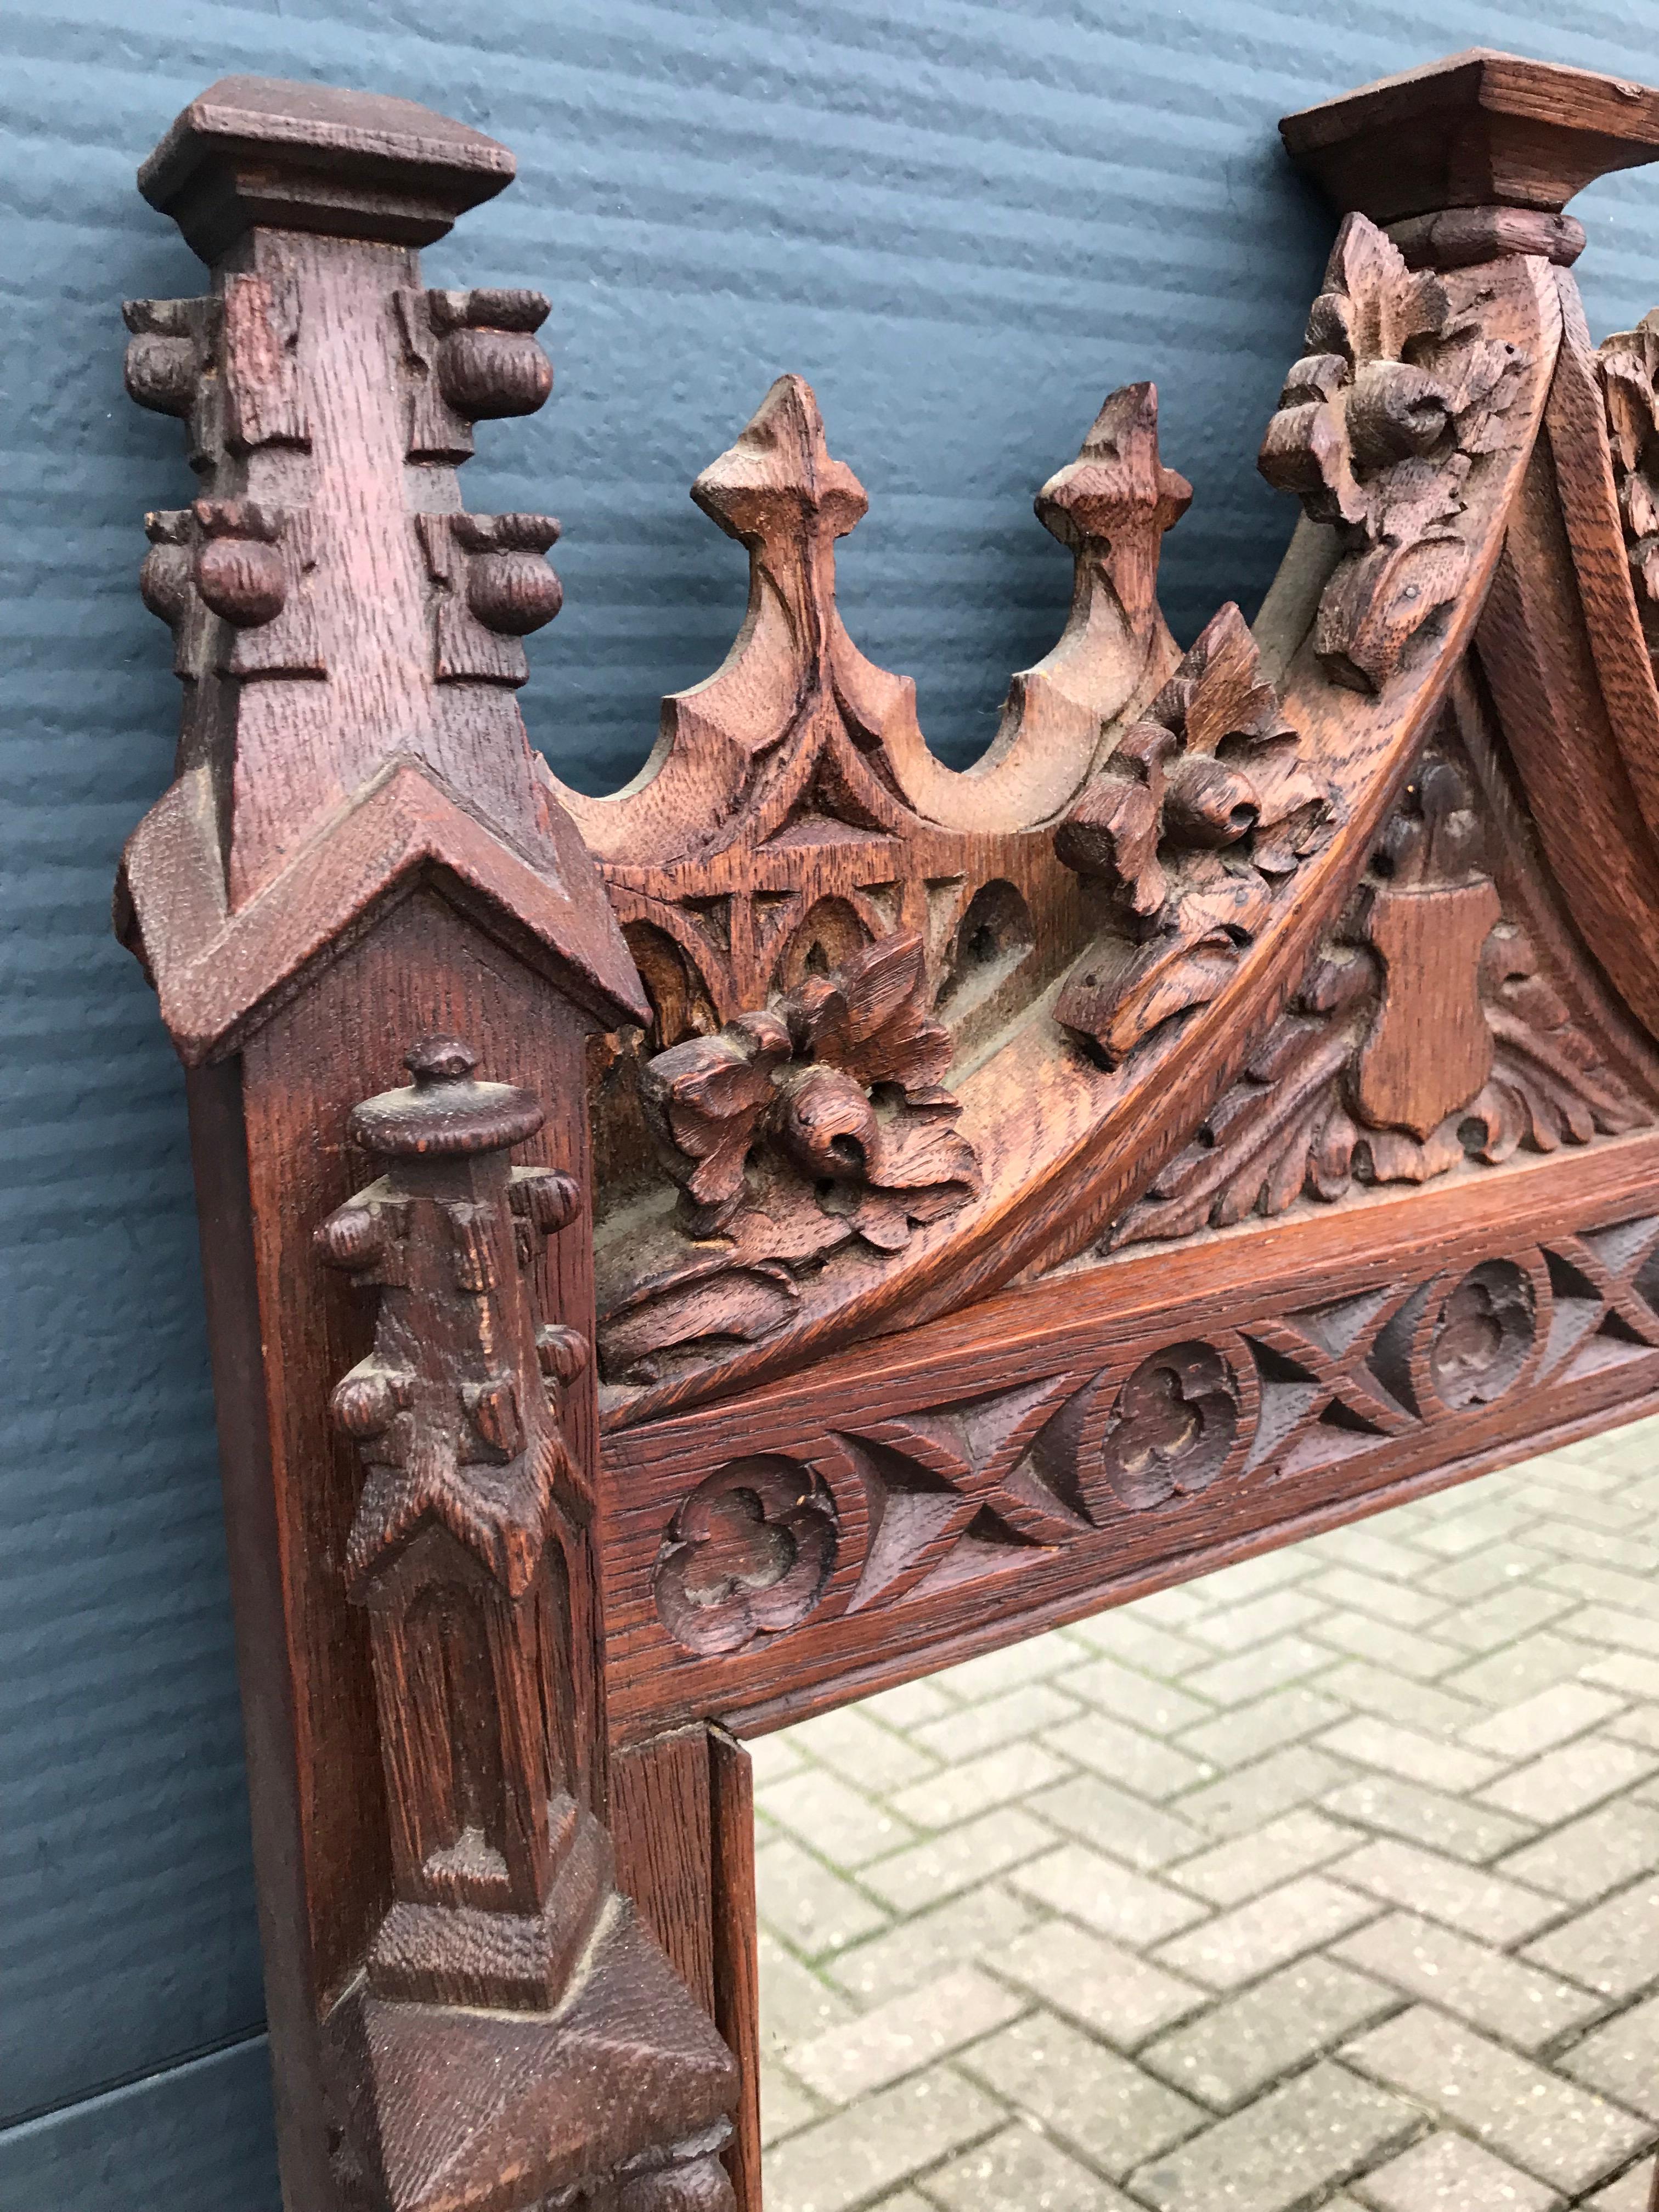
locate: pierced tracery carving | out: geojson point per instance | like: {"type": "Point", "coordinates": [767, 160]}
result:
{"type": "Point", "coordinates": [974, 1498]}
{"type": "Point", "coordinates": [817, 945]}
{"type": "Point", "coordinates": [1427, 1034]}
{"type": "Point", "coordinates": [1200, 813]}
{"type": "Point", "coordinates": [1377, 428]}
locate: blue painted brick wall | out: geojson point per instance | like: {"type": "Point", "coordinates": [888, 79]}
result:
{"type": "Point", "coordinates": [964, 223]}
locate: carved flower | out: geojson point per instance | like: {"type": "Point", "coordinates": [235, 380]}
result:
{"type": "Point", "coordinates": [1172, 1428]}
{"type": "Point", "coordinates": [1485, 1334]}
{"type": "Point", "coordinates": [1202, 809]}
{"type": "Point", "coordinates": [839, 1085]}
{"type": "Point", "coordinates": [749, 1553]}
{"type": "Point", "coordinates": [1376, 430]}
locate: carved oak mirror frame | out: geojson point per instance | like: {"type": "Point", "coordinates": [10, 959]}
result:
{"type": "Point", "coordinates": [679, 1261]}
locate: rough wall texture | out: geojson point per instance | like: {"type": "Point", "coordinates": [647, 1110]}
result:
{"type": "Point", "coordinates": [964, 223]}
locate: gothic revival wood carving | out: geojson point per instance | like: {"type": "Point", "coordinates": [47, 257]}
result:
{"type": "Point", "coordinates": [358, 853]}
{"type": "Point", "coordinates": [1627, 365]}
{"type": "Point", "coordinates": [1212, 808]}
{"type": "Point", "coordinates": [1195, 822]}
{"type": "Point", "coordinates": [1429, 1035]}
{"type": "Point", "coordinates": [1377, 432]}
{"type": "Point", "coordinates": [823, 916]}
{"type": "Point", "coordinates": [1123, 1427]}
{"type": "Point", "coordinates": [848, 1212]}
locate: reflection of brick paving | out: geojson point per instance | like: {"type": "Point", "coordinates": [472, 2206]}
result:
{"type": "Point", "coordinates": [1330, 1880]}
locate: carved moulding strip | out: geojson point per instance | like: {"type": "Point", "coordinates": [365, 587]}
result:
{"type": "Point", "coordinates": [1125, 1426]}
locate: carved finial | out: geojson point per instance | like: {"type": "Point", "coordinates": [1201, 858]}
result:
{"type": "Point", "coordinates": [1203, 808]}
{"type": "Point", "coordinates": [443, 1113]}
{"type": "Point", "coordinates": [372, 626]}
{"type": "Point", "coordinates": [1113, 504]}
{"type": "Point", "coordinates": [1377, 431]}
{"type": "Point", "coordinates": [455, 1416]}
{"type": "Point", "coordinates": [780, 472]}
{"type": "Point", "coordinates": [780, 492]}
{"type": "Point", "coordinates": [439, 1060]}
{"type": "Point", "coordinates": [260, 150]}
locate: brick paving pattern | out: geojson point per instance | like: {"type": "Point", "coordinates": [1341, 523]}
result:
{"type": "Point", "coordinates": [1330, 1880]}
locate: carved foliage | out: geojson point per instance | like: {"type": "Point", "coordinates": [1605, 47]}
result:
{"type": "Point", "coordinates": [491, 587]}
{"type": "Point", "coordinates": [454, 1414]}
{"type": "Point", "coordinates": [1425, 1036]}
{"type": "Point", "coordinates": [1200, 813]}
{"type": "Point", "coordinates": [231, 367]}
{"type": "Point", "coordinates": [1628, 364]}
{"type": "Point", "coordinates": [471, 356]}
{"type": "Point", "coordinates": [1377, 428]}
{"type": "Point", "coordinates": [794, 1132]}
{"type": "Point", "coordinates": [840, 1080]}
{"type": "Point", "coordinates": [817, 944]}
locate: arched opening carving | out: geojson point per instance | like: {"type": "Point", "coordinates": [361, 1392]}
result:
{"type": "Point", "coordinates": [827, 937]}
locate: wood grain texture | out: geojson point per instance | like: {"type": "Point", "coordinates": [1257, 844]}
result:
{"type": "Point", "coordinates": [1475, 129]}
{"type": "Point", "coordinates": [359, 865]}
{"type": "Point", "coordinates": [1450, 1020]}
{"type": "Point", "coordinates": [663, 1823]}
{"type": "Point", "coordinates": [1561, 647]}
{"type": "Point", "coordinates": [737, 1956]}
{"type": "Point", "coordinates": [1063, 1145]}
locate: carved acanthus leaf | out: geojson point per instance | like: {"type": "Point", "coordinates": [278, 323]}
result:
{"type": "Point", "coordinates": [1427, 1034]}
{"type": "Point", "coordinates": [1377, 428]}
{"type": "Point", "coordinates": [1204, 806]}
{"type": "Point", "coordinates": [1628, 364]}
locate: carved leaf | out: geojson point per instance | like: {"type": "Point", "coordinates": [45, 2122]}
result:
{"type": "Point", "coordinates": [872, 1018]}
{"type": "Point", "coordinates": [1336, 1094]}
{"type": "Point", "coordinates": [705, 1099]}
{"type": "Point", "coordinates": [1628, 364]}
{"type": "Point", "coordinates": [1375, 433]}
{"type": "Point", "coordinates": [1202, 810]}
